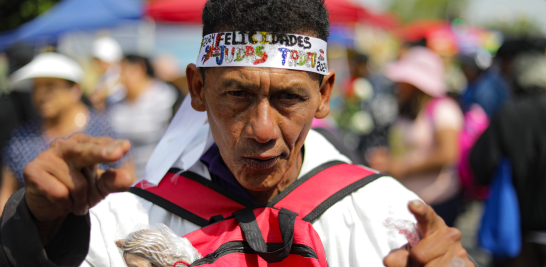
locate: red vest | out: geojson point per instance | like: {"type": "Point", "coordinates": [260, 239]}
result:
{"type": "Point", "coordinates": [238, 233]}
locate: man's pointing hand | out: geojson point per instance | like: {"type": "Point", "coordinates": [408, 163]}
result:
{"type": "Point", "coordinates": [65, 179]}
{"type": "Point", "coordinates": [440, 245]}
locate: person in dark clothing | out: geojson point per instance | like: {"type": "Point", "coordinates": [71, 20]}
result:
{"type": "Point", "coordinates": [518, 132]}
{"type": "Point", "coordinates": [16, 104]}
{"type": "Point", "coordinates": [486, 87]}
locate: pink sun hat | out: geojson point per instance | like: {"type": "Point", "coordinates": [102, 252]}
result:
{"type": "Point", "coordinates": [420, 67]}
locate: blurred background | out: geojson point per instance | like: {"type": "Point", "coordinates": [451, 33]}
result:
{"type": "Point", "coordinates": [418, 81]}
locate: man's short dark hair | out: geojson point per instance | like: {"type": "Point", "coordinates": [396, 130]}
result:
{"type": "Point", "coordinates": [279, 16]}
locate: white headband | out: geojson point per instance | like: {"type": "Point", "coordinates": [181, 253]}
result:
{"type": "Point", "coordinates": [263, 49]}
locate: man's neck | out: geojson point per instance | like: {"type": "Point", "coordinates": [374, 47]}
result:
{"type": "Point", "coordinates": [263, 197]}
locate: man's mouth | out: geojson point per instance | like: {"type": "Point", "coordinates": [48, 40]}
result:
{"type": "Point", "coordinates": [261, 164]}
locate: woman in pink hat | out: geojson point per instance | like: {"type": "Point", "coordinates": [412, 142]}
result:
{"type": "Point", "coordinates": [423, 143]}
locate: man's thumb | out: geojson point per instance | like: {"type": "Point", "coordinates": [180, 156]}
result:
{"type": "Point", "coordinates": [397, 258]}
{"type": "Point", "coordinates": [114, 180]}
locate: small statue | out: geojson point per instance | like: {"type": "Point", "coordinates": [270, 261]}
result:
{"type": "Point", "coordinates": [151, 248]}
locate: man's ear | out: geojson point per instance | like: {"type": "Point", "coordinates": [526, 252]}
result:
{"type": "Point", "coordinates": [325, 92]}
{"type": "Point", "coordinates": [196, 87]}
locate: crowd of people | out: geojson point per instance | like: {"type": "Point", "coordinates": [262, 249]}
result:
{"type": "Point", "coordinates": [128, 101]}
{"type": "Point", "coordinates": [426, 136]}
{"type": "Point", "coordinates": [435, 146]}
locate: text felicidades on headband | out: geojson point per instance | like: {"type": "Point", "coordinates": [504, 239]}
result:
{"type": "Point", "coordinates": [263, 49]}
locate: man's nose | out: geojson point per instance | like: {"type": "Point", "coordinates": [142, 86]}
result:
{"type": "Point", "coordinates": [263, 124]}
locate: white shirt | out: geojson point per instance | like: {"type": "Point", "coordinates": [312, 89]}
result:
{"type": "Point", "coordinates": [359, 230]}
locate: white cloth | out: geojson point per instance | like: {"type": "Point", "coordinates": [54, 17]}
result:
{"type": "Point", "coordinates": [354, 231]}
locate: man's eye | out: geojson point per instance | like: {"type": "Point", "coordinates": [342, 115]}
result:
{"type": "Point", "coordinates": [288, 96]}
{"type": "Point", "coordinates": [238, 93]}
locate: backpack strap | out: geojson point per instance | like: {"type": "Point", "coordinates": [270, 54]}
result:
{"type": "Point", "coordinates": [189, 195]}
{"type": "Point", "coordinates": [311, 195]}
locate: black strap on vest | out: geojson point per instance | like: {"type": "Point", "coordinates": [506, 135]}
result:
{"type": "Point", "coordinates": [254, 237]}
{"type": "Point", "coordinates": [320, 209]}
{"type": "Point", "coordinates": [169, 206]}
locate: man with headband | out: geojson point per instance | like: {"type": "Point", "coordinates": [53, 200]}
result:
{"type": "Point", "coordinates": [260, 79]}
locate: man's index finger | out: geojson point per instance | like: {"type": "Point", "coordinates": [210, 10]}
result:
{"type": "Point", "coordinates": [427, 220]}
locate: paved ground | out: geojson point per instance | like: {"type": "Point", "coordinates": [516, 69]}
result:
{"type": "Point", "coordinates": [468, 222]}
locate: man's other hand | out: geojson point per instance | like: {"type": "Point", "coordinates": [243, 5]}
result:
{"type": "Point", "coordinates": [65, 179]}
{"type": "Point", "coordinates": [440, 245]}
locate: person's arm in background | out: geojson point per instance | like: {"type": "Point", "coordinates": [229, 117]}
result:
{"type": "Point", "coordinates": [486, 153]}
{"type": "Point", "coordinates": [445, 153]}
{"type": "Point", "coordinates": [8, 186]}
{"type": "Point", "coordinates": [448, 121]}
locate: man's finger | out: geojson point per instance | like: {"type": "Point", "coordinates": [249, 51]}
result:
{"type": "Point", "coordinates": [114, 180]}
{"type": "Point", "coordinates": [72, 179]}
{"type": "Point", "coordinates": [86, 139]}
{"type": "Point", "coordinates": [47, 187]}
{"type": "Point", "coordinates": [452, 259]}
{"type": "Point", "coordinates": [427, 220]}
{"type": "Point", "coordinates": [92, 174]}
{"type": "Point", "coordinates": [432, 247]}
{"type": "Point", "coordinates": [81, 138]}
{"type": "Point", "coordinates": [397, 258]}
{"type": "Point", "coordinates": [79, 192]}
{"type": "Point", "coordinates": [87, 154]}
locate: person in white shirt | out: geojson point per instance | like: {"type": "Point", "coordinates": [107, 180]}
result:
{"type": "Point", "coordinates": [259, 115]}
{"type": "Point", "coordinates": [142, 114]}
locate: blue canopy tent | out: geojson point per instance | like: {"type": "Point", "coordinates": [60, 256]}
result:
{"type": "Point", "coordinates": [70, 15]}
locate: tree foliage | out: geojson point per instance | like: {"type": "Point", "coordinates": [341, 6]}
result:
{"type": "Point", "coordinates": [14, 13]}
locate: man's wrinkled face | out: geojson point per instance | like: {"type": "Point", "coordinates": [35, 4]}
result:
{"type": "Point", "coordinates": [259, 118]}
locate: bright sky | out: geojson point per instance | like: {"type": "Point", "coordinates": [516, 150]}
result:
{"type": "Point", "coordinates": [480, 11]}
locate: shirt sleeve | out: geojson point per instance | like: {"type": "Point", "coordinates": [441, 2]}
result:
{"type": "Point", "coordinates": [20, 244]}
{"type": "Point", "coordinates": [362, 228]}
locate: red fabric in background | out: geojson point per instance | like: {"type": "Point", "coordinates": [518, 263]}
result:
{"type": "Point", "coordinates": [189, 11]}
{"type": "Point", "coordinates": [186, 11]}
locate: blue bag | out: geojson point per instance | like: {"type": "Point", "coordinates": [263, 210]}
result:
{"type": "Point", "coordinates": [500, 231]}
